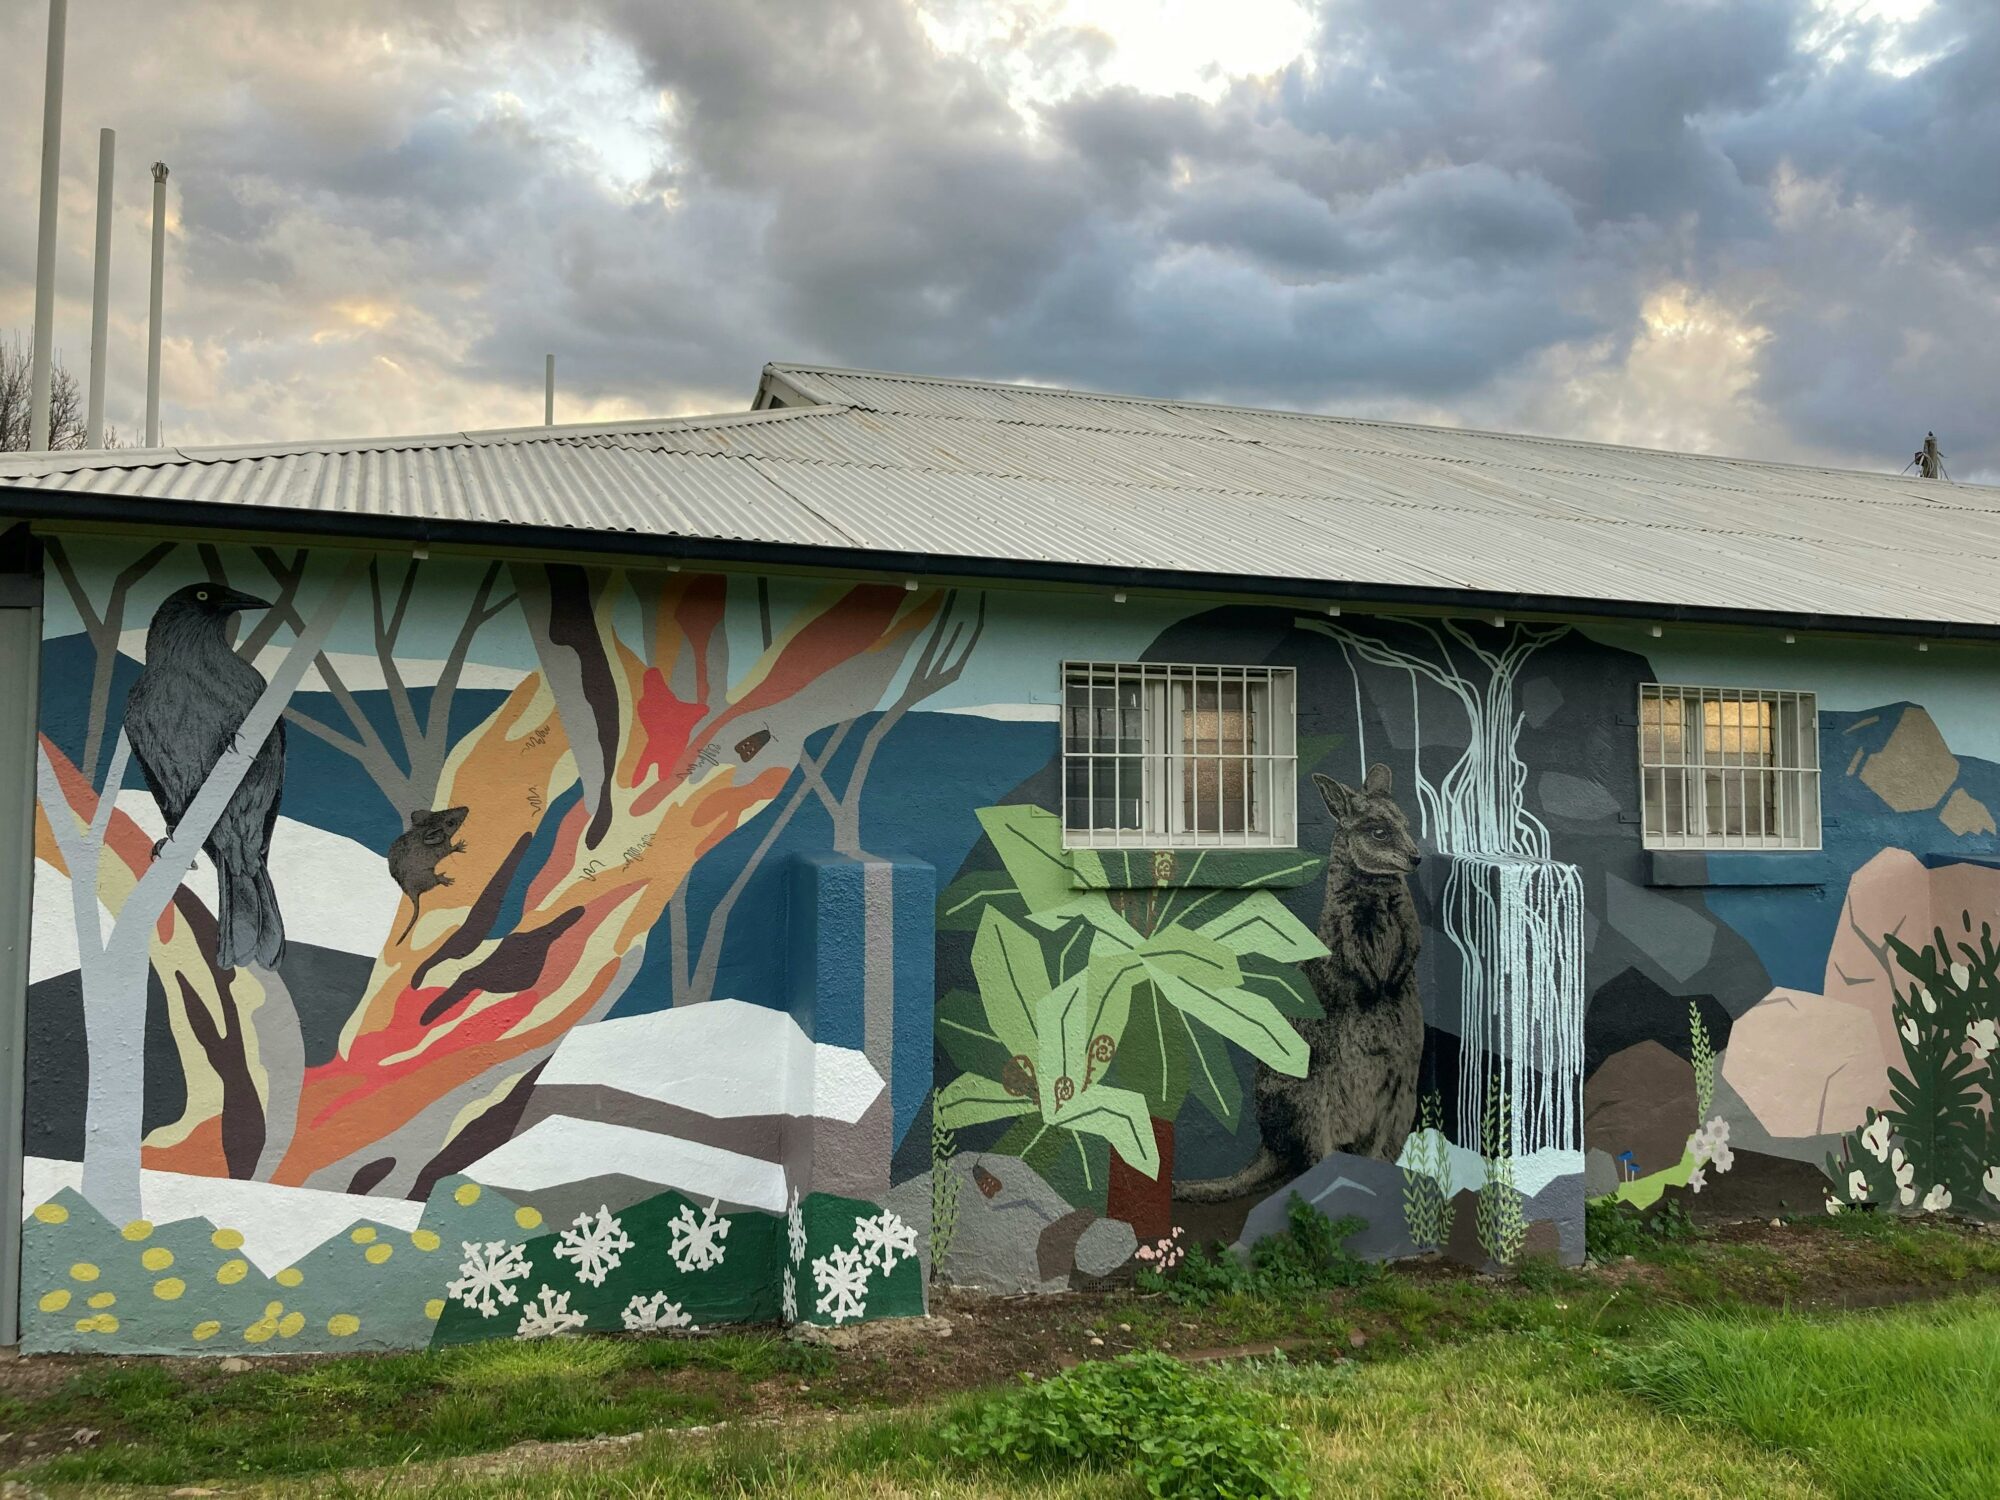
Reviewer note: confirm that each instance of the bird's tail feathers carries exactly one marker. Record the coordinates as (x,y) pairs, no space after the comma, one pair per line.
(249,927)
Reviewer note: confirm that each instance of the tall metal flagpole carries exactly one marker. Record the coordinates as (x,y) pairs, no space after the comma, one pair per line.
(153,328)
(100,290)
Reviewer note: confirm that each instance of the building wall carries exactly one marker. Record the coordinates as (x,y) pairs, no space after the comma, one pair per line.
(601,949)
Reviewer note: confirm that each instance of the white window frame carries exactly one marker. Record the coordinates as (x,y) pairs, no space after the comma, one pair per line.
(1159,698)
(1702,792)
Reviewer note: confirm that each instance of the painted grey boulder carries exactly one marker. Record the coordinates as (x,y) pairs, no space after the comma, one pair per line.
(1003,1207)
(1600,1173)
(1370,1190)
(1105,1246)
(1559,1206)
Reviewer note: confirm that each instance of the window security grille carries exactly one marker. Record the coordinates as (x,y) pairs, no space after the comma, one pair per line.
(1728,768)
(1160,754)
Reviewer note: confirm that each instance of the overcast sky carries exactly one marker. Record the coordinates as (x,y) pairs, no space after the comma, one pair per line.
(1746,226)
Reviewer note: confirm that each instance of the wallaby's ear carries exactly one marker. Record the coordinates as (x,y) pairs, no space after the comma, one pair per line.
(1339,799)
(1380,780)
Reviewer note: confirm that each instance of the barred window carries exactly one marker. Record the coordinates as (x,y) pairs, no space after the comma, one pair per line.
(1164,754)
(1729,768)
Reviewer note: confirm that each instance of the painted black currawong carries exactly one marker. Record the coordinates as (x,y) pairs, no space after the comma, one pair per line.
(182,713)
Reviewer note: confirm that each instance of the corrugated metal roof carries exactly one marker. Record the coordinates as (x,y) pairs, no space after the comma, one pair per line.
(950,469)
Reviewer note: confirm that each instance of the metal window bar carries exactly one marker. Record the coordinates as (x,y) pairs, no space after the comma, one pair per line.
(1179,755)
(1728,768)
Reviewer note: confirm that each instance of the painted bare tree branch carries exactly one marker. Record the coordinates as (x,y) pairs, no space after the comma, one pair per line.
(102,628)
(409,782)
(946,650)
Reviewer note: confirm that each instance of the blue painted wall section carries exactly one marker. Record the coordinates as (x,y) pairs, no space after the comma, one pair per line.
(862,946)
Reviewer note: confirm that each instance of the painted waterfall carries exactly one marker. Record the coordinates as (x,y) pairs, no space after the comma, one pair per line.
(1513,913)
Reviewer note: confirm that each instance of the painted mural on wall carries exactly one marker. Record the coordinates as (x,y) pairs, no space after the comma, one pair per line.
(432,950)
(403,947)
(1247,1024)
(1472,1004)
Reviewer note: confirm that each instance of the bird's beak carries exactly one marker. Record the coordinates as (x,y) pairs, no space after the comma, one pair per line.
(235,599)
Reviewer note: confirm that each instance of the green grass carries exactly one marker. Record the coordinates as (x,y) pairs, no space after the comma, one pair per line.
(1677,1375)
(161,1429)
(1882,1404)
(1749,1404)
(1496,1417)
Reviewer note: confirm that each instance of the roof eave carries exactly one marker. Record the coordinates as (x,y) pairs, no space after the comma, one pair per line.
(25,503)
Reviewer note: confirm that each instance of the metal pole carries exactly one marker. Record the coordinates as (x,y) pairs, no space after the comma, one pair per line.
(20,668)
(45,244)
(100,290)
(549,392)
(153,330)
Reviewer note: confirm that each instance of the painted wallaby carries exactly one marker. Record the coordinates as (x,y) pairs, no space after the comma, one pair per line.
(1359,1094)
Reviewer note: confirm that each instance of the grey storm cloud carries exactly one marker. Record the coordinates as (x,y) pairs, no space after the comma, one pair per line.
(1442,208)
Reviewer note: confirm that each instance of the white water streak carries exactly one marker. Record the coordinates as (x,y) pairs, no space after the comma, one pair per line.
(1514,915)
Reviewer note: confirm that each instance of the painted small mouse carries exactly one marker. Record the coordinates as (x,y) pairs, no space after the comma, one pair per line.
(413,858)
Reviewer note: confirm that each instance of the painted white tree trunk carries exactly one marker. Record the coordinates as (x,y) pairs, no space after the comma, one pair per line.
(113,967)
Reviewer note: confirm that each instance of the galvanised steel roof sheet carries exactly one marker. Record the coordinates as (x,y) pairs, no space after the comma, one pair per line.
(1005,473)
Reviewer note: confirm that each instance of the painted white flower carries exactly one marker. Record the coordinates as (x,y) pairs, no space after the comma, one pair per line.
(1928,999)
(597,1244)
(842,1278)
(1992,1181)
(1937,1200)
(1876,1138)
(1909,1030)
(1906,1176)
(487,1274)
(1984,1036)
(697,1243)
(548,1316)
(1833,1204)
(1857,1187)
(1696,1182)
(655,1314)
(884,1238)
(1961,975)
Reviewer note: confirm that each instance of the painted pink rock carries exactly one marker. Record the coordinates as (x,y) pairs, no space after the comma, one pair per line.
(1811,1064)
(1806,1065)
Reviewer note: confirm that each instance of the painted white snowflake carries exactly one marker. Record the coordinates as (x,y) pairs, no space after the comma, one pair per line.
(597,1243)
(697,1243)
(549,1315)
(487,1274)
(842,1278)
(884,1239)
(654,1314)
(791,1292)
(795,1229)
